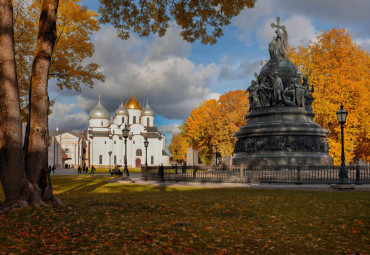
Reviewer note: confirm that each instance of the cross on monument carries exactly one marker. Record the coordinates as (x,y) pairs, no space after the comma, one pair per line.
(278,26)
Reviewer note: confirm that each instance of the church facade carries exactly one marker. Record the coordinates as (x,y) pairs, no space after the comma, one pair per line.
(106,141)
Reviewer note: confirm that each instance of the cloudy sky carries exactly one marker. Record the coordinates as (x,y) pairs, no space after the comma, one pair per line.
(175,76)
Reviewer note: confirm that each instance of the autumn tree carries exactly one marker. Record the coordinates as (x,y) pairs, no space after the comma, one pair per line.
(340,72)
(200,19)
(20,180)
(179,145)
(211,126)
(73,47)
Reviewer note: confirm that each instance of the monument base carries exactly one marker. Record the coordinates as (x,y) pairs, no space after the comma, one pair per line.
(260,160)
(281,136)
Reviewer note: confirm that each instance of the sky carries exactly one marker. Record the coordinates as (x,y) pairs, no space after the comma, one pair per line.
(176,76)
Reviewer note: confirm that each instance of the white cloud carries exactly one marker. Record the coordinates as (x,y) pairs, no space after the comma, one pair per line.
(155,71)
(172,128)
(64,118)
(237,71)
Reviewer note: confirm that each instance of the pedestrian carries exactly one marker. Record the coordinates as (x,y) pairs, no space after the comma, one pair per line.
(53,168)
(49,168)
(92,170)
(79,169)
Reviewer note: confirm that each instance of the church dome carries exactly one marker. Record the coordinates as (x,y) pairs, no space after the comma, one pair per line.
(132,103)
(99,112)
(121,110)
(147,110)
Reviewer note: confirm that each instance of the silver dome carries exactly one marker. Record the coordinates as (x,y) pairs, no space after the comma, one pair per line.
(121,110)
(99,112)
(147,110)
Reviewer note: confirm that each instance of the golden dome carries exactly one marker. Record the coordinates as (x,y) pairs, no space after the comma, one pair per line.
(132,103)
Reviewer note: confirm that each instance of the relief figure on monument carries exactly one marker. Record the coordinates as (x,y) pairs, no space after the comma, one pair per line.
(300,91)
(277,86)
(308,93)
(289,95)
(265,93)
(254,100)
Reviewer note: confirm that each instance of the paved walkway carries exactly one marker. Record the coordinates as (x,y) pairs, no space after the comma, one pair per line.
(135,179)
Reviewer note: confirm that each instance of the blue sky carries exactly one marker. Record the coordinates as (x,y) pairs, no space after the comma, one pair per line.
(176,76)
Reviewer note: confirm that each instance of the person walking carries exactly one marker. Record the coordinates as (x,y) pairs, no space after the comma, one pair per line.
(53,168)
(92,170)
(79,169)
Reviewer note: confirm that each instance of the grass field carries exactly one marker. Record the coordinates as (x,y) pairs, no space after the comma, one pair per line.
(102,218)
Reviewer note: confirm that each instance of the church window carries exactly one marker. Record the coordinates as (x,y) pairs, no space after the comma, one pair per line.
(84,150)
(114,142)
(147,122)
(66,150)
(115,159)
(113,132)
(101,123)
(152,160)
(123,119)
(101,159)
(133,142)
(139,152)
(134,120)
(105,142)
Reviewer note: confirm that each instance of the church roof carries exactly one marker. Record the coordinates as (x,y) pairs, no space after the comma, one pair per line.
(147,110)
(132,103)
(99,112)
(121,110)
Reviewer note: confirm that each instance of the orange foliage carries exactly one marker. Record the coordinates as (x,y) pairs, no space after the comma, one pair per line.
(340,71)
(210,126)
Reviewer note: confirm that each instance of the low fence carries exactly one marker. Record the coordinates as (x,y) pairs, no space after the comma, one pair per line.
(241,174)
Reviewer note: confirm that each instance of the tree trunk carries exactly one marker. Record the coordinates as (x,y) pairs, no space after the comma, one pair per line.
(37,151)
(13,178)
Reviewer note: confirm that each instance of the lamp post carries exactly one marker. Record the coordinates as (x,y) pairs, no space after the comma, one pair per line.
(146,143)
(343,172)
(125,133)
(110,154)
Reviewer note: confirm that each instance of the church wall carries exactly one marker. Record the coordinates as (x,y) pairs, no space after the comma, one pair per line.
(98,123)
(134,113)
(118,120)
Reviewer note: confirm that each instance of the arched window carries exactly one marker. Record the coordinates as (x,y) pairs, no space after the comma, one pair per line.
(66,150)
(139,152)
(147,122)
(101,159)
(152,160)
(101,123)
(123,119)
(115,159)
(134,120)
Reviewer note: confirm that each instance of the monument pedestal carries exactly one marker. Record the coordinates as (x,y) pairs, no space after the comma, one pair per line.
(281,136)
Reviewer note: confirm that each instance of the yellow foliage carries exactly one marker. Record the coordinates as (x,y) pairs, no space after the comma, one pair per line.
(75,25)
(210,127)
(340,72)
(198,19)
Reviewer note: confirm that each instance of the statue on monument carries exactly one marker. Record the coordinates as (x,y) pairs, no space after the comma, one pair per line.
(278,46)
(277,86)
(265,93)
(253,97)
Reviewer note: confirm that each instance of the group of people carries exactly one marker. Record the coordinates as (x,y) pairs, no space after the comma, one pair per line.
(52,169)
(265,94)
(85,170)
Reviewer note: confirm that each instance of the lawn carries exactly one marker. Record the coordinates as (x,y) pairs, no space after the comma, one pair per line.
(102,218)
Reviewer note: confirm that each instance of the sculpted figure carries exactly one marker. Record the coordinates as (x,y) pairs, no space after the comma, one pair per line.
(253,97)
(278,46)
(265,93)
(289,95)
(299,91)
(277,86)
(308,93)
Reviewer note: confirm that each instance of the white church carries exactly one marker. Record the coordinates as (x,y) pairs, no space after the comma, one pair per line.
(106,142)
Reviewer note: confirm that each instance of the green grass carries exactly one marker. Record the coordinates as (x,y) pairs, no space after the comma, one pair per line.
(103,218)
(106,170)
